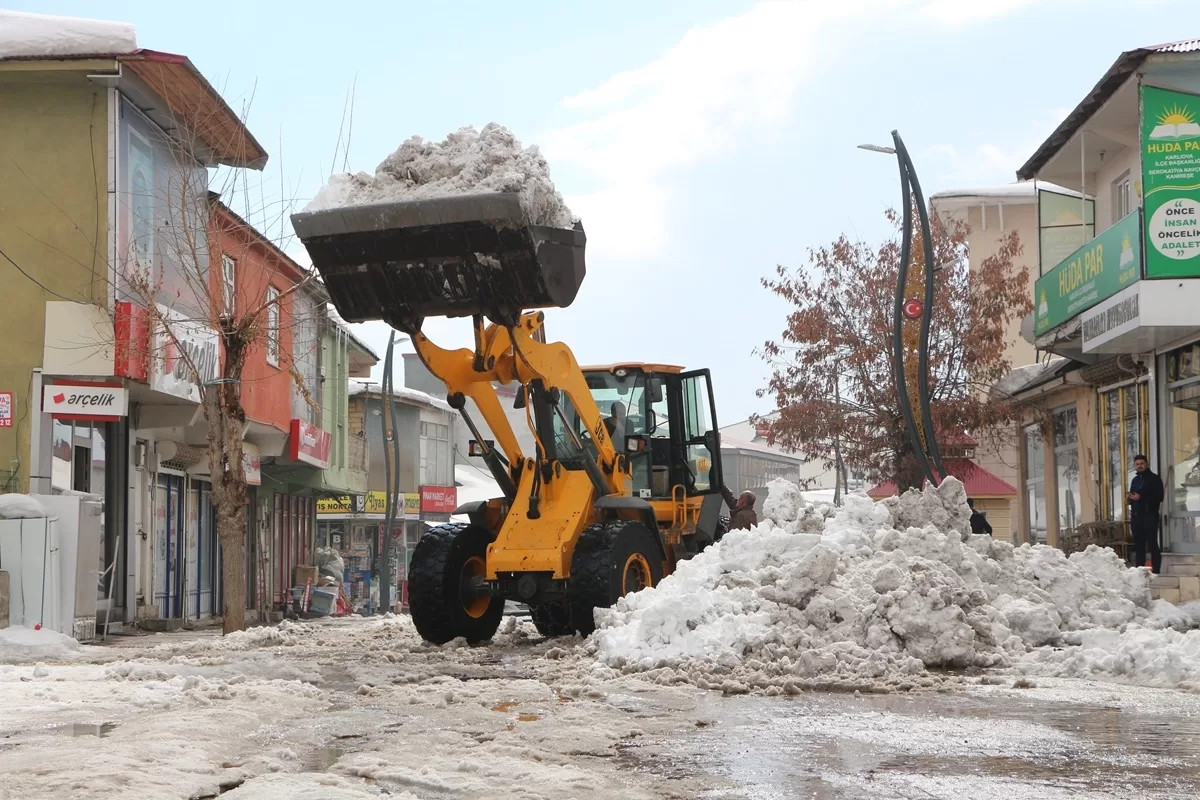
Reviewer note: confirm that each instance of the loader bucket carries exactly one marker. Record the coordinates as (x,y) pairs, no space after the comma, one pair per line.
(450,257)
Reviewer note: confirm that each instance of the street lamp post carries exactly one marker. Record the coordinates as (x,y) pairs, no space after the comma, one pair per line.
(910,191)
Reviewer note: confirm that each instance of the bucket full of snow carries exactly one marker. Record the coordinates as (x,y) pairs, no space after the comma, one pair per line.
(453,256)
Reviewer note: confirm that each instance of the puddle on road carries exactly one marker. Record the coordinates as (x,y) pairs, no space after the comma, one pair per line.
(801,747)
(98,729)
(506,706)
(321,759)
(528,717)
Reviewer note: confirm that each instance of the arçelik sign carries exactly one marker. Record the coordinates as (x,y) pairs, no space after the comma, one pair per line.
(85,402)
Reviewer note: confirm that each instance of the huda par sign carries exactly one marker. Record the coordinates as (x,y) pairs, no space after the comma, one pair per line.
(1171,182)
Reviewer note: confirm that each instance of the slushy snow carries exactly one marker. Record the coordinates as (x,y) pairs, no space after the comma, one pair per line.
(466,162)
(21,506)
(874,595)
(24,34)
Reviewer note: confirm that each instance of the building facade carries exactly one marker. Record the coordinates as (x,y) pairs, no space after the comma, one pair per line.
(105,213)
(1115,296)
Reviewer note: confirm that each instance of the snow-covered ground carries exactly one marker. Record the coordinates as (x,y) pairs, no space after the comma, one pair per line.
(985,671)
(359,708)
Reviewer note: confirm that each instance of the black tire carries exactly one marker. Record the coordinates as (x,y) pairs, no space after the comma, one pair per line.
(607,560)
(440,565)
(552,619)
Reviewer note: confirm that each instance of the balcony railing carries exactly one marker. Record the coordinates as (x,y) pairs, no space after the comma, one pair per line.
(1095,272)
(357,454)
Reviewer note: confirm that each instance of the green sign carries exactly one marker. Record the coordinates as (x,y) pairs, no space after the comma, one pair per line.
(1171,182)
(1094,272)
(1062,228)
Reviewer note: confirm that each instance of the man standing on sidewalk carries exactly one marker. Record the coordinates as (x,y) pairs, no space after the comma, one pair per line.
(1145,498)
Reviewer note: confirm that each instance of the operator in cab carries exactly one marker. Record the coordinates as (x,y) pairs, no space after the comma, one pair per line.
(743,517)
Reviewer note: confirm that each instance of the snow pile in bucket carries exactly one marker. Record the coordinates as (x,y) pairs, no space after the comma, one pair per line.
(869,595)
(466,162)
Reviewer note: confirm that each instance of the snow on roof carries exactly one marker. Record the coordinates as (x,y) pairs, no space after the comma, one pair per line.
(25,35)
(1019,192)
(731,443)
(402,394)
(1022,378)
(977,481)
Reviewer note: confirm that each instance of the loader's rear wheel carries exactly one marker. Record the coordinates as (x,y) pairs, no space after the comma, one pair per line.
(611,560)
(552,619)
(447,566)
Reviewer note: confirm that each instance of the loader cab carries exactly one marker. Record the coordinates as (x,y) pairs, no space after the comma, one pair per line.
(664,420)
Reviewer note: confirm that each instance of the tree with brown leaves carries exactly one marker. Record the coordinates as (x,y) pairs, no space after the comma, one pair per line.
(832,373)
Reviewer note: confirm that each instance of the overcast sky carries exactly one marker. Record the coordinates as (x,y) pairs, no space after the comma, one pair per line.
(701,141)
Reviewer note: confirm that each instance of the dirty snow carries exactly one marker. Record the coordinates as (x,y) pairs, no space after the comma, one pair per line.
(466,162)
(21,506)
(25,34)
(19,645)
(876,595)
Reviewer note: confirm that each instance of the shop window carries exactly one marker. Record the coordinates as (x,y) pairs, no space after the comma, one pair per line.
(1035,483)
(1066,462)
(1124,426)
(228,285)
(1180,463)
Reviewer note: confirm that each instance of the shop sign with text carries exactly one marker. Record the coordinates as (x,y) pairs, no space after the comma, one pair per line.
(310,444)
(184,349)
(1094,272)
(1171,182)
(439,499)
(85,402)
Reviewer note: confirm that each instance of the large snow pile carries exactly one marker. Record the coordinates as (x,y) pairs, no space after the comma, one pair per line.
(20,645)
(466,162)
(869,595)
(21,506)
(24,34)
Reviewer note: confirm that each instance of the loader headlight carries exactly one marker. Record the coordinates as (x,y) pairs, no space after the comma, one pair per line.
(634,444)
(477,449)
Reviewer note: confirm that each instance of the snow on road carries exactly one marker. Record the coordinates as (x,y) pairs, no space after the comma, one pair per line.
(360,708)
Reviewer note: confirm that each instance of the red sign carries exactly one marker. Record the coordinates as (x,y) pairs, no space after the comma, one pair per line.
(310,444)
(912,308)
(439,499)
(131,325)
(6,409)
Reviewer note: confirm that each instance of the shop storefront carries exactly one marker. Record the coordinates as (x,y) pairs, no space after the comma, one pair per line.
(353,526)
(1180,454)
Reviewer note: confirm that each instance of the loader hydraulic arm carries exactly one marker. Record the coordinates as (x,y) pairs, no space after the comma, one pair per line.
(549,369)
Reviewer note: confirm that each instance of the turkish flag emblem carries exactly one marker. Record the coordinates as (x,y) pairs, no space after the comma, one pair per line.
(59,398)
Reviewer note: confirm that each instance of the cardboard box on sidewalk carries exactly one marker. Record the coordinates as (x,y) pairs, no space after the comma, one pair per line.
(303,573)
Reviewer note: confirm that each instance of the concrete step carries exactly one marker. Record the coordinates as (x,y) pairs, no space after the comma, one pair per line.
(1190,570)
(1164,582)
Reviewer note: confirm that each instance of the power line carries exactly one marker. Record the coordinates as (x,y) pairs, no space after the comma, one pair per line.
(45,288)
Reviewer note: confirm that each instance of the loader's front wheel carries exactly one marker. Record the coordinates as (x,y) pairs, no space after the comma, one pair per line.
(611,560)
(447,567)
(552,619)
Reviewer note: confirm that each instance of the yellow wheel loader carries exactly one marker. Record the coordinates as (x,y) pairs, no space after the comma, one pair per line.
(625,478)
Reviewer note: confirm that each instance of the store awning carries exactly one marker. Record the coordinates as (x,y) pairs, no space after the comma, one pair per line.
(1143,317)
